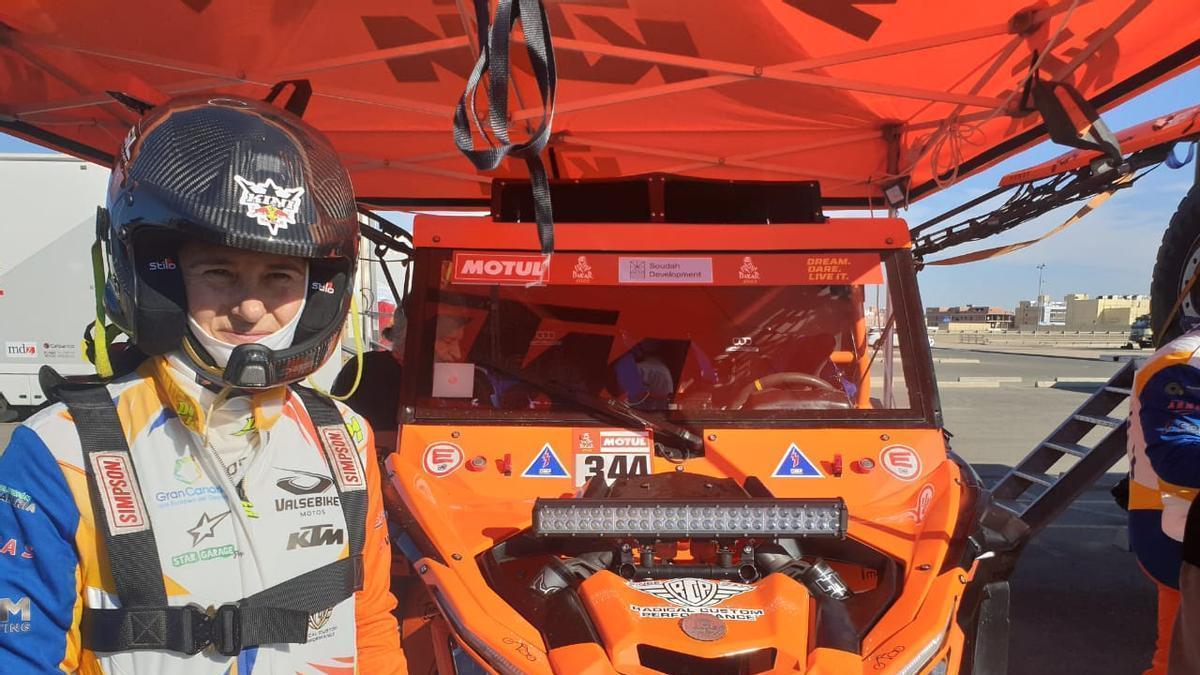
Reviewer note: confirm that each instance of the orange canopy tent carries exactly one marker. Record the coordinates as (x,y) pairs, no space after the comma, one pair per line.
(858,94)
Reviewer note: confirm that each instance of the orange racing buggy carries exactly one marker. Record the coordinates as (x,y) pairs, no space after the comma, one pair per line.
(670,448)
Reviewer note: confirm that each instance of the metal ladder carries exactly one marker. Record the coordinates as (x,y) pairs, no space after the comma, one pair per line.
(1052,495)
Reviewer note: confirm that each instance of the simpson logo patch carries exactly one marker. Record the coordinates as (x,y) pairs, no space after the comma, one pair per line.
(274,207)
(343,456)
(123,506)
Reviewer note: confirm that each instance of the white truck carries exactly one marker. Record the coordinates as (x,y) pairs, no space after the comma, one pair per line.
(47,298)
(47,225)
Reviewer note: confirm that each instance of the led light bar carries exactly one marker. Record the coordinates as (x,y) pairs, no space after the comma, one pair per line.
(646,518)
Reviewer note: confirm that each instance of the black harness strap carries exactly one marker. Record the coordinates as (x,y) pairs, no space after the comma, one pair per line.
(117,506)
(279,614)
(349,474)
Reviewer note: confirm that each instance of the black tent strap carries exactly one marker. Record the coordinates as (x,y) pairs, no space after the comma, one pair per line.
(494,61)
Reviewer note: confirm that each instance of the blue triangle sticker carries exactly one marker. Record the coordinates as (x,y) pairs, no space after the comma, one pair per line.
(795,465)
(546,464)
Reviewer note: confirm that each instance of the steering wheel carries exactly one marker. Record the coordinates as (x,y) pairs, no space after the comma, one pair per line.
(778,381)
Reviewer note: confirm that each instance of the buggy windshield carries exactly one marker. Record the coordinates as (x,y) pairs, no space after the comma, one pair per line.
(682,337)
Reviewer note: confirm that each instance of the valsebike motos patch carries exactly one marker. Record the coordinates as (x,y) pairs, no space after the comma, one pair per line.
(693,596)
(273,206)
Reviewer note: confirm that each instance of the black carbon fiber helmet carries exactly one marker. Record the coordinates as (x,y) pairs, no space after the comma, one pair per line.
(238,173)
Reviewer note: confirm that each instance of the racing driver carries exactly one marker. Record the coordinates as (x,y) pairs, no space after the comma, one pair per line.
(1164,453)
(203,512)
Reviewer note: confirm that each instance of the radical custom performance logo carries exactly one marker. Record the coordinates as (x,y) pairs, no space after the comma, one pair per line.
(693,596)
(273,206)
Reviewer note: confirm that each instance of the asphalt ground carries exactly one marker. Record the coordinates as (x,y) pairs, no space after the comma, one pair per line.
(1080,605)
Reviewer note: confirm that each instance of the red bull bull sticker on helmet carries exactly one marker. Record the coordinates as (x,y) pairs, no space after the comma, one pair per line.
(274,207)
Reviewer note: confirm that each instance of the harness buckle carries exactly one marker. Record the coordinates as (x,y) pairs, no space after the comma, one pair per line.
(226,632)
(216,627)
(196,629)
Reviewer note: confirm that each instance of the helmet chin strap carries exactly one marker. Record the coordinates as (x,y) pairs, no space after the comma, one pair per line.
(220,351)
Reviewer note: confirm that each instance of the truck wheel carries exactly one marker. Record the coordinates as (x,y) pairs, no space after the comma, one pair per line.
(1178,258)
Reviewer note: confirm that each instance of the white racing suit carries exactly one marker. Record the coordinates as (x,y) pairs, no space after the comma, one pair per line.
(213,546)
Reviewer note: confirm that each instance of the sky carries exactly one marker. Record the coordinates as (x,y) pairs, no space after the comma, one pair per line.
(1111,251)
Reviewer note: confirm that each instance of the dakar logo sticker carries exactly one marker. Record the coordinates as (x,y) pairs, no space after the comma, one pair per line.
(748,271)
(582,271)
(273,206)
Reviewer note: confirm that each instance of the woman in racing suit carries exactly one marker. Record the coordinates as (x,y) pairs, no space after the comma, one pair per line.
(203,513)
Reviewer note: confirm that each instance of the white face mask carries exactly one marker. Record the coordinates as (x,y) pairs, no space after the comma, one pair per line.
(220,350)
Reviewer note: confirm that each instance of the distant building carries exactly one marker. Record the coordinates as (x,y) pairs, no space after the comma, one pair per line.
(1040,313)
(1105,312)
(1080,312)
(980,316)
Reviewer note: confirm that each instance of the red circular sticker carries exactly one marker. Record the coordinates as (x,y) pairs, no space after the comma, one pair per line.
(901,461)
(442,458)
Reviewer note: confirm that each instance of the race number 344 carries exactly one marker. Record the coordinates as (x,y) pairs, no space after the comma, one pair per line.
(610,466)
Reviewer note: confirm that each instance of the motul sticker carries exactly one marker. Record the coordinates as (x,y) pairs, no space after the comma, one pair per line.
(343,456)
(442,458)
(612,440)
(796,465)
(502,269)
(123,506)
(274,207)
(546,464)
(901,461)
